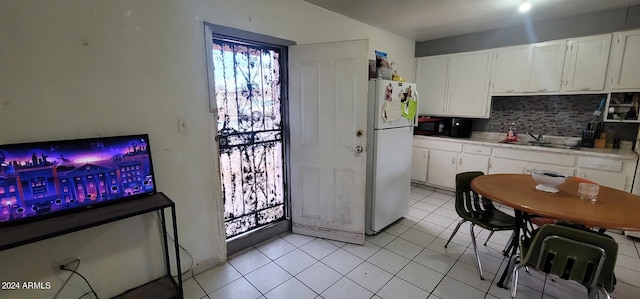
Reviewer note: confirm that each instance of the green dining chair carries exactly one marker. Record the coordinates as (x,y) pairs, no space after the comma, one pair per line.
(570,253)
(479,211)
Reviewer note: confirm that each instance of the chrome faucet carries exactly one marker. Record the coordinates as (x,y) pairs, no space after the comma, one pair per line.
(538,139)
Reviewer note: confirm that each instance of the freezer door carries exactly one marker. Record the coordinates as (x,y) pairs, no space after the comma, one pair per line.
(391,176)
(386,101)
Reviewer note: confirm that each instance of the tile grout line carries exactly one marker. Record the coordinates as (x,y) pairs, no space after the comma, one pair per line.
(440,203)
(458,259)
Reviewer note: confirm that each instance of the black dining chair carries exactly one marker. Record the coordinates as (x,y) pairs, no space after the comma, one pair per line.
(570,253)
(478,210)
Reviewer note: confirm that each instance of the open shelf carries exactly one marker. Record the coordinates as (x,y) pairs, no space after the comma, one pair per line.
(623,107)
(25,233)
(164,287)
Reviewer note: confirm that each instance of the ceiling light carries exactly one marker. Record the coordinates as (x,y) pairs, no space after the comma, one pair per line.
(524,6)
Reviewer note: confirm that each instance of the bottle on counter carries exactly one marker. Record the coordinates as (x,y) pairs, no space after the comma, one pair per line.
(512,133)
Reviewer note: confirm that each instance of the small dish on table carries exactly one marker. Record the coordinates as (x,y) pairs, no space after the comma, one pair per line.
(548,180)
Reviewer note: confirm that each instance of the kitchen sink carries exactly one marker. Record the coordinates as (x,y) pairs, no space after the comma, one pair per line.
(535,143)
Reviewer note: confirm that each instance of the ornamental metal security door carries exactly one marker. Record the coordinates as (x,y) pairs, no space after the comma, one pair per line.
(248,89)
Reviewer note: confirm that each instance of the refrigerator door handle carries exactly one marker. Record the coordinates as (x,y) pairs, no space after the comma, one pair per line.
(417,98)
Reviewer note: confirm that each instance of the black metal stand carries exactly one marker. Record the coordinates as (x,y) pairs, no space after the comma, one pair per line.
(521,229)
(164,287)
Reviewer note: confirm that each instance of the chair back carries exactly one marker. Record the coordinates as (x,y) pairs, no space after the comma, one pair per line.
(575,254)
(468,202)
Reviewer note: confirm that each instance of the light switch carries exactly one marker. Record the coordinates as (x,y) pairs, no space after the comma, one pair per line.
(184,125)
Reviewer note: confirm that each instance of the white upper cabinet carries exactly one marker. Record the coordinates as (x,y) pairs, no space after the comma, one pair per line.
(534,68)
(586,63)
(625,65)
(469,75)
(455,85)
(546,66)
(512,68)
(431,78)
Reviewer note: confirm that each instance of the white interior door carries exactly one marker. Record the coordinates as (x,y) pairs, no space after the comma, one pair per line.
(328,101)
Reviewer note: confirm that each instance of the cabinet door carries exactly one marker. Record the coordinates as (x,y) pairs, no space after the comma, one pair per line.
(586,63)
(469,84)
(431,82)
(468,162)
(547,60)
(512,68)
(626,61)
(562,169)
(499,165)
(441,168)
(605,178)
(419,160)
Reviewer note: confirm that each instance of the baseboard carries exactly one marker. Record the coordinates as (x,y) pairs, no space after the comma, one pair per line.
(202,266)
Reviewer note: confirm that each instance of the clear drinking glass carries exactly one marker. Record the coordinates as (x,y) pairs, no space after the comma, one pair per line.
(588,191)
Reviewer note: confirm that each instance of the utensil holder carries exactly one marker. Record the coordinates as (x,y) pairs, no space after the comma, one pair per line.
(588,139)
(599,143)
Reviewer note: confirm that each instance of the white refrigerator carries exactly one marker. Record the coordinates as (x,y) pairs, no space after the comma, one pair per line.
(389,144)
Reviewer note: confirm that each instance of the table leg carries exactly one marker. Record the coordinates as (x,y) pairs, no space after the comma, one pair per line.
(512,250)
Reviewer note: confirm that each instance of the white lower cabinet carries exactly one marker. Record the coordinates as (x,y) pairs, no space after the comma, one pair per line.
(501,165)
(419,162)
(436,163)
(446,159)
(605,178)
(442,168)
(613,173)
(467,162)
(444,165)
(510,160)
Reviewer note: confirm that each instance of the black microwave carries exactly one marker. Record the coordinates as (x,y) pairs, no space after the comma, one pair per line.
(447,126)
(430,126)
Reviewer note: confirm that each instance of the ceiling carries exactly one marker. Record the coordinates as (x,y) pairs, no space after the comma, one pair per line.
(422,20)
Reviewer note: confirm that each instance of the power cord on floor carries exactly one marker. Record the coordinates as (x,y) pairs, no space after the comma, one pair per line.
(85,294)
(179,246)
(64,268)
(77,261)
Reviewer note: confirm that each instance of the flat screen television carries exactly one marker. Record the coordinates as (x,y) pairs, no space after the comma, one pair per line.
(44,179)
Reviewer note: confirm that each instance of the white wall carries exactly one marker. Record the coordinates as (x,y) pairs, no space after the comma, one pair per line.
(85,68)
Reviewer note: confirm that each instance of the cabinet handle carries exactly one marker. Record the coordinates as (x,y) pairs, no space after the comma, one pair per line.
(509,90)
(585,88)
(460,162)
(477,151)
(453,160)
(544,89)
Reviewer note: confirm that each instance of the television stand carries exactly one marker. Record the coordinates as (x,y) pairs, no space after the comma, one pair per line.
(164,287)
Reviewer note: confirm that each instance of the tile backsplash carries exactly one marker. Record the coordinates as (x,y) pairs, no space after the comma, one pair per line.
(557,115)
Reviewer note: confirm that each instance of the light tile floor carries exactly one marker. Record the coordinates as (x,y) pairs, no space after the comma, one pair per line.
(406,260)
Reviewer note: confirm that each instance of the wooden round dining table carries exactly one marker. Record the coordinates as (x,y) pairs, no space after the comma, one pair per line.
(613,208)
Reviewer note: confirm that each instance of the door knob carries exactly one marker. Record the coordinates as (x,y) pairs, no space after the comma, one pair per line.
(359,149)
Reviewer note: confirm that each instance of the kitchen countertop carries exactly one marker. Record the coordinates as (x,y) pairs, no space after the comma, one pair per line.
(489,139)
